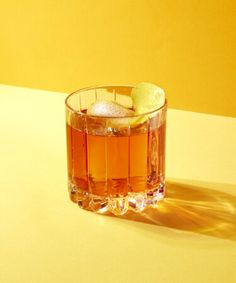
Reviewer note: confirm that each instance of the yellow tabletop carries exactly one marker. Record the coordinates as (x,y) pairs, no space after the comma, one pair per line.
(44,237)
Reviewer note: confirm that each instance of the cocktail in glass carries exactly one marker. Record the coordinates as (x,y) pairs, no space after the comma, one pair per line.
(114,163)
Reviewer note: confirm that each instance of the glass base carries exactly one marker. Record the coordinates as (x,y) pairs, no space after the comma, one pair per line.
(117,205)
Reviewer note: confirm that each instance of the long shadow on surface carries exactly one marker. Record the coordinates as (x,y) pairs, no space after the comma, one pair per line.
(191,208)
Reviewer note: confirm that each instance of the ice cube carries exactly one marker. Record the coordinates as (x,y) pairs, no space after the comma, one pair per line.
(111,126)
(108,109)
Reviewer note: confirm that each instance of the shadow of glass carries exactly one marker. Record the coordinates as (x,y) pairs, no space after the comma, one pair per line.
(191,208)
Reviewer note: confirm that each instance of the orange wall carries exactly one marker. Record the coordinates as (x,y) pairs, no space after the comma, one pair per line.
(188,47)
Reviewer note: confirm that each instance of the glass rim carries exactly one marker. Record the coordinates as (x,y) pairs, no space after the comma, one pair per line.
(164,106)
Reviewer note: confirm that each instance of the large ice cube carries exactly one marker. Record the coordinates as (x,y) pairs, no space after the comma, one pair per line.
(116,120)
(108,109)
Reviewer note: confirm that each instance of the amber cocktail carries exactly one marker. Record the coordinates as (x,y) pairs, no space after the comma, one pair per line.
(114,163)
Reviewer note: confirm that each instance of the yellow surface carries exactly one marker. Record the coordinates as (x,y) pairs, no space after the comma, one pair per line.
(44,237)
(187,47)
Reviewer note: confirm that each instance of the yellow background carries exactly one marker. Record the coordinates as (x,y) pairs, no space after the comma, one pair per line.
(187,47)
